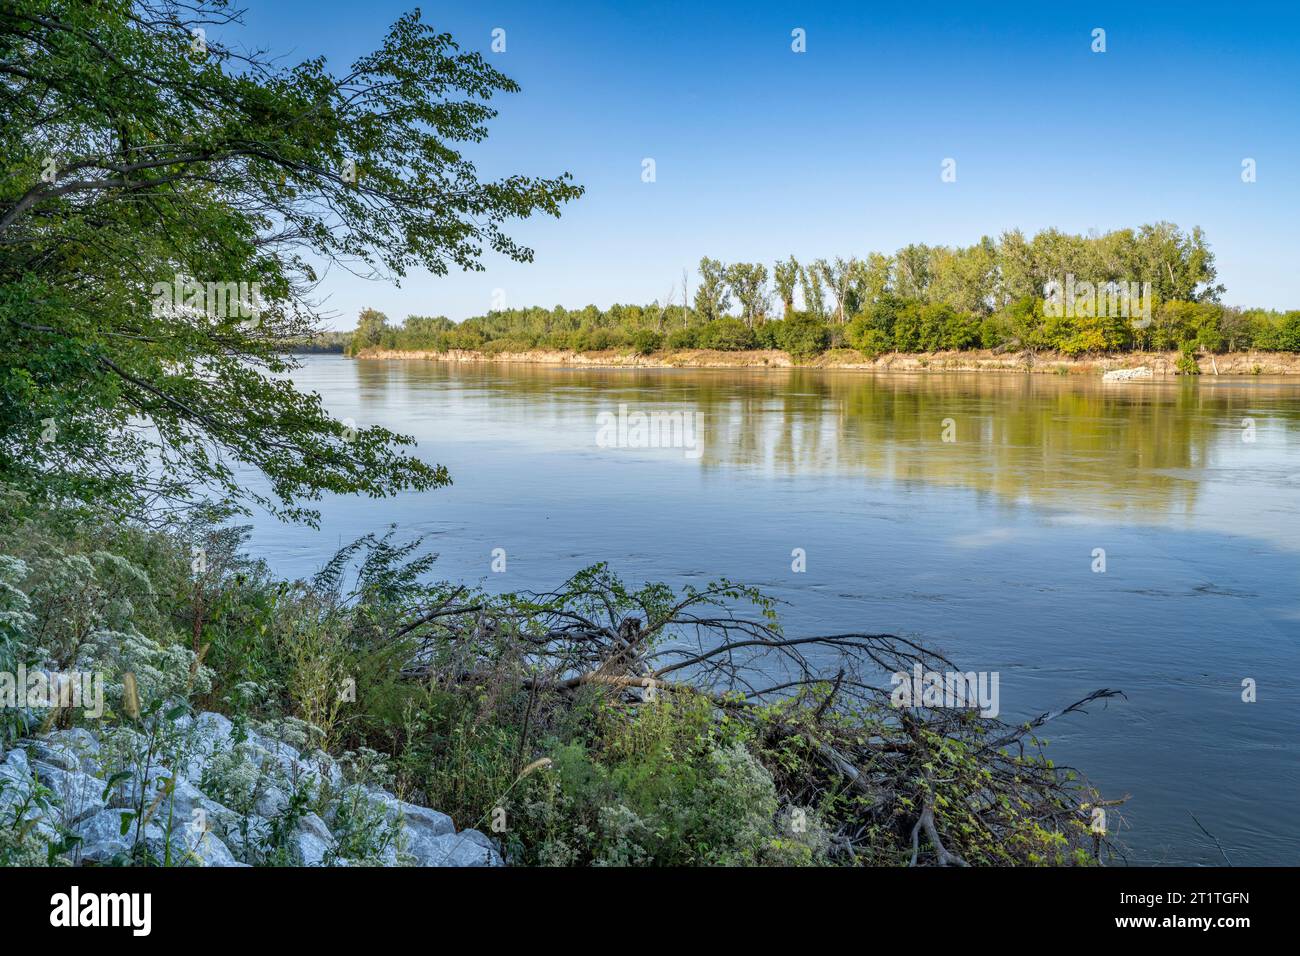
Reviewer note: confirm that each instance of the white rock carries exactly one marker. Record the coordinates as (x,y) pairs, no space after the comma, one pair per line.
(467,848)
(79,794)
(414,816)
(206,734)
(271,802)
(1127,374)
(295,772)
(75,749)
(16,782)
(213,727)
(324,763)
(102,839)
(188,849)
(309,850)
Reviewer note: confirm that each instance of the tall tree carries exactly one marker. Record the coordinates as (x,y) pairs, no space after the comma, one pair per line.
(371,326)
(912,271)
(876,278)
(785,276)
(1017,277)
(163,201)
(1179,266)
(748,280)
(712,298)
(814,293)
(839,277)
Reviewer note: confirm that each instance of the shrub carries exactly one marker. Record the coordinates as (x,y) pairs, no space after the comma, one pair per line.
(803,337)
(512,344)
(867,337)
(1288,333)
(664,787)
(684,339)
(727,335)
(934,328)
(1186,364)
(597,339)
(765,335)
(1175,324)
(1083,334)
(646,341)
(995,332)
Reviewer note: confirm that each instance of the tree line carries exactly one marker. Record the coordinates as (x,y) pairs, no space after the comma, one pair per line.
(1151,288)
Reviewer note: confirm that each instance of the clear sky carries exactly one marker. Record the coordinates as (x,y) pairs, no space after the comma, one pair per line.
(761,152)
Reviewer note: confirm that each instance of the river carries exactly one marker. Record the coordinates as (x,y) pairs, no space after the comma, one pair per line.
(987,545)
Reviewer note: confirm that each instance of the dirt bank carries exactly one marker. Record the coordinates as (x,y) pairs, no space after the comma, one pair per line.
(1160,363)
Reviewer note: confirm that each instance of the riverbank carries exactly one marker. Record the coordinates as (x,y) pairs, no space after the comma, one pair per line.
(211,713)
(1161,364)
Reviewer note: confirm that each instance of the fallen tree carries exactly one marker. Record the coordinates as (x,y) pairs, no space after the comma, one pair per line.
(916,785)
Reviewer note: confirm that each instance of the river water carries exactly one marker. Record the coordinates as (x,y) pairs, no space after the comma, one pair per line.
(985,546)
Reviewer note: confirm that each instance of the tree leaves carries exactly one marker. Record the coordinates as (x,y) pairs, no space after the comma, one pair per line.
(137,159)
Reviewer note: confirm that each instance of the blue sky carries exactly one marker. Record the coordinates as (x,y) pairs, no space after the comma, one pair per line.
(761,152)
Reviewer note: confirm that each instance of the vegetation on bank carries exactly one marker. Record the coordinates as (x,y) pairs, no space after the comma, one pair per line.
(336,342)
(993,295)
(596,725)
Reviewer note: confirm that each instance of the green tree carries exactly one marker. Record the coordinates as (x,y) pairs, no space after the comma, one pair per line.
(912,271)
(785,276)
(1289,332)
(712,298)
(840,276)
(748,280)
(814,292)
(165,201)
(371,326)
(874,280)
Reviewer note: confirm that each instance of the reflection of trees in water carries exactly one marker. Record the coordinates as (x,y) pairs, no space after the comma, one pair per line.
(1058,442)
(1062,442)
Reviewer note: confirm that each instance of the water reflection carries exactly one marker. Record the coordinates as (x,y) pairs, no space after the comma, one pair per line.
(1145,452)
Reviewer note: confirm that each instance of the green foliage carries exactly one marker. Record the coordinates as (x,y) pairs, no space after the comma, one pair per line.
(802,336)
(372,325)
(727,335)
(665,785)
(596,340)
(870,341)
(1288,332)
(646,341)
(712,296)
(748,281)
(785,276)
(920,299)
(688,338)
(29,835)
(161,209)
(933,328)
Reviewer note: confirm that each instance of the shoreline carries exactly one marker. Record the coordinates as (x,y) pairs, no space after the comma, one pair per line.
(1161,364)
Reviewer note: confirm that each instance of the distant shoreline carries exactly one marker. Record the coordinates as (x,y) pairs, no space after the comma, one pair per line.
(1161,364)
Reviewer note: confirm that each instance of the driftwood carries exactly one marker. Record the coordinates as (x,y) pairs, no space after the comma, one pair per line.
(593,636)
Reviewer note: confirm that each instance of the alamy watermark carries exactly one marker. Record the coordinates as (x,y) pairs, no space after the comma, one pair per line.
(214,300)
(53,690)
(954,689)
(1086,299)
(653,429)
(75,908)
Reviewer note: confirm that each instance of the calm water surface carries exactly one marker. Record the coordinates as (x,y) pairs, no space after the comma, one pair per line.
(983,546)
